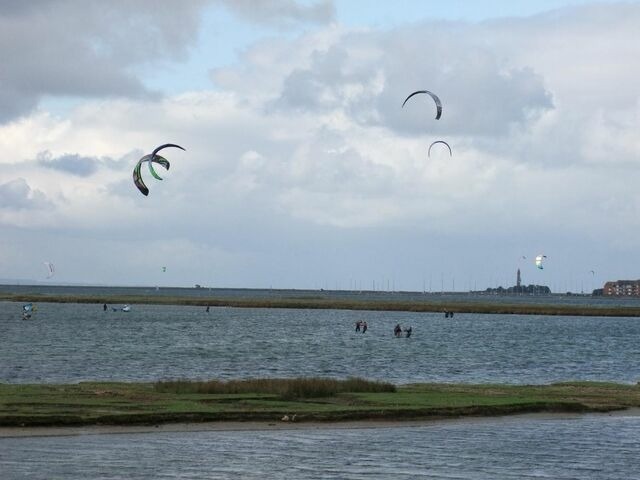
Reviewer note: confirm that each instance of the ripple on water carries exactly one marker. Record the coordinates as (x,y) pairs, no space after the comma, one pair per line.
(591,446)
(73,342)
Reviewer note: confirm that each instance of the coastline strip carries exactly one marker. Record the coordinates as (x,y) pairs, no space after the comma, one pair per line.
(425,306)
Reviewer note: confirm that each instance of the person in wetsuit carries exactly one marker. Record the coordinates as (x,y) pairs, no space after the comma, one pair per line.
(397,330)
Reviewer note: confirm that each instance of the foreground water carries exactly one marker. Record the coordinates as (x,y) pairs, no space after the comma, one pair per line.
(74,342)
(586,447)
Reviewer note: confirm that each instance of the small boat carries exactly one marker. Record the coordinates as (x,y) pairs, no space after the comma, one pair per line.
(126,308)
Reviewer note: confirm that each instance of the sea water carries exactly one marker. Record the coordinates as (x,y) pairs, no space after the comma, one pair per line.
(602,447)
(75,342)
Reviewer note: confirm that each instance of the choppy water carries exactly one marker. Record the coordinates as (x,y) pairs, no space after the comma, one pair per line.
(587,447)
(73,342)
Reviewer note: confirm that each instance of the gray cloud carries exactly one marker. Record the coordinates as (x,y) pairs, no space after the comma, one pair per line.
(81,165)
(64,47)
(17,194)
(282,13)
(102,49)
(468,78)
(70,163)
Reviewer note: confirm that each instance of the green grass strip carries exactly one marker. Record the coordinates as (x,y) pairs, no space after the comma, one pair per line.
(310,399)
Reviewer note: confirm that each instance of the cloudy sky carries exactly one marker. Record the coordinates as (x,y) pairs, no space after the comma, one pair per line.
(301,168)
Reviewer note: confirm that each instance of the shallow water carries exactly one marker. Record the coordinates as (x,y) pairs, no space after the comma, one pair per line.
(74,342)
(586,447)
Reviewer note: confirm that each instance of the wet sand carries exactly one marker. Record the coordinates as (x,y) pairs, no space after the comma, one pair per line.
(16,432)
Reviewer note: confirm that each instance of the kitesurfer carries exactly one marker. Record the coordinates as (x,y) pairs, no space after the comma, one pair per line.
(397,330)
(104,307)
(358,323)
(364,327)
(26,311)
(408,331)
(207,308)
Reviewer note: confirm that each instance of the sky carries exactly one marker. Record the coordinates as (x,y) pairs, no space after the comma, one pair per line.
(302,169)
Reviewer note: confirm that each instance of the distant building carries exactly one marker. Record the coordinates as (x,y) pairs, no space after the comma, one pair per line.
(622,288)
(519,288)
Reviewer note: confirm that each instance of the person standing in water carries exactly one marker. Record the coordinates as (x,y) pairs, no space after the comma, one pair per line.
(358,323)
(104,307)
(397,331)
(364,327)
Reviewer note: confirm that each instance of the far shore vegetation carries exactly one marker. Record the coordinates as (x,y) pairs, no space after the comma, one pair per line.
(297,399)
(312,302)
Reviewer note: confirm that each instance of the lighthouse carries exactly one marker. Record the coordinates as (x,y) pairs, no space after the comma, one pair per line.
(518,280)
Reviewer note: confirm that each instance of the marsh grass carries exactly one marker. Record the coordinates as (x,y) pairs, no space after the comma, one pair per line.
(286,388)
(122,403)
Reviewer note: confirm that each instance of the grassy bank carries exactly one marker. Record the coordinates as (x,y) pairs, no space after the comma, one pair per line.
(92,403)
(340,304)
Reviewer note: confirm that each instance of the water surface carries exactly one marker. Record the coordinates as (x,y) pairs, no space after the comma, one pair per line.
(585,447)
(74,342)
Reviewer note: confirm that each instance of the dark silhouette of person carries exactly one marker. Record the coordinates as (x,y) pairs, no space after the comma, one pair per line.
(397,330)
(104,307)
(408,332)
(358,323)
(364,327)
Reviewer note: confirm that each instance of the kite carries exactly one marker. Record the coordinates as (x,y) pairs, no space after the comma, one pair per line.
(539,261)
(435,99)
(439,141)
(151,159)
(50,269)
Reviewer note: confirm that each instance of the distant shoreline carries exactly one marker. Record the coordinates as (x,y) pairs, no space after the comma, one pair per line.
(427,305)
